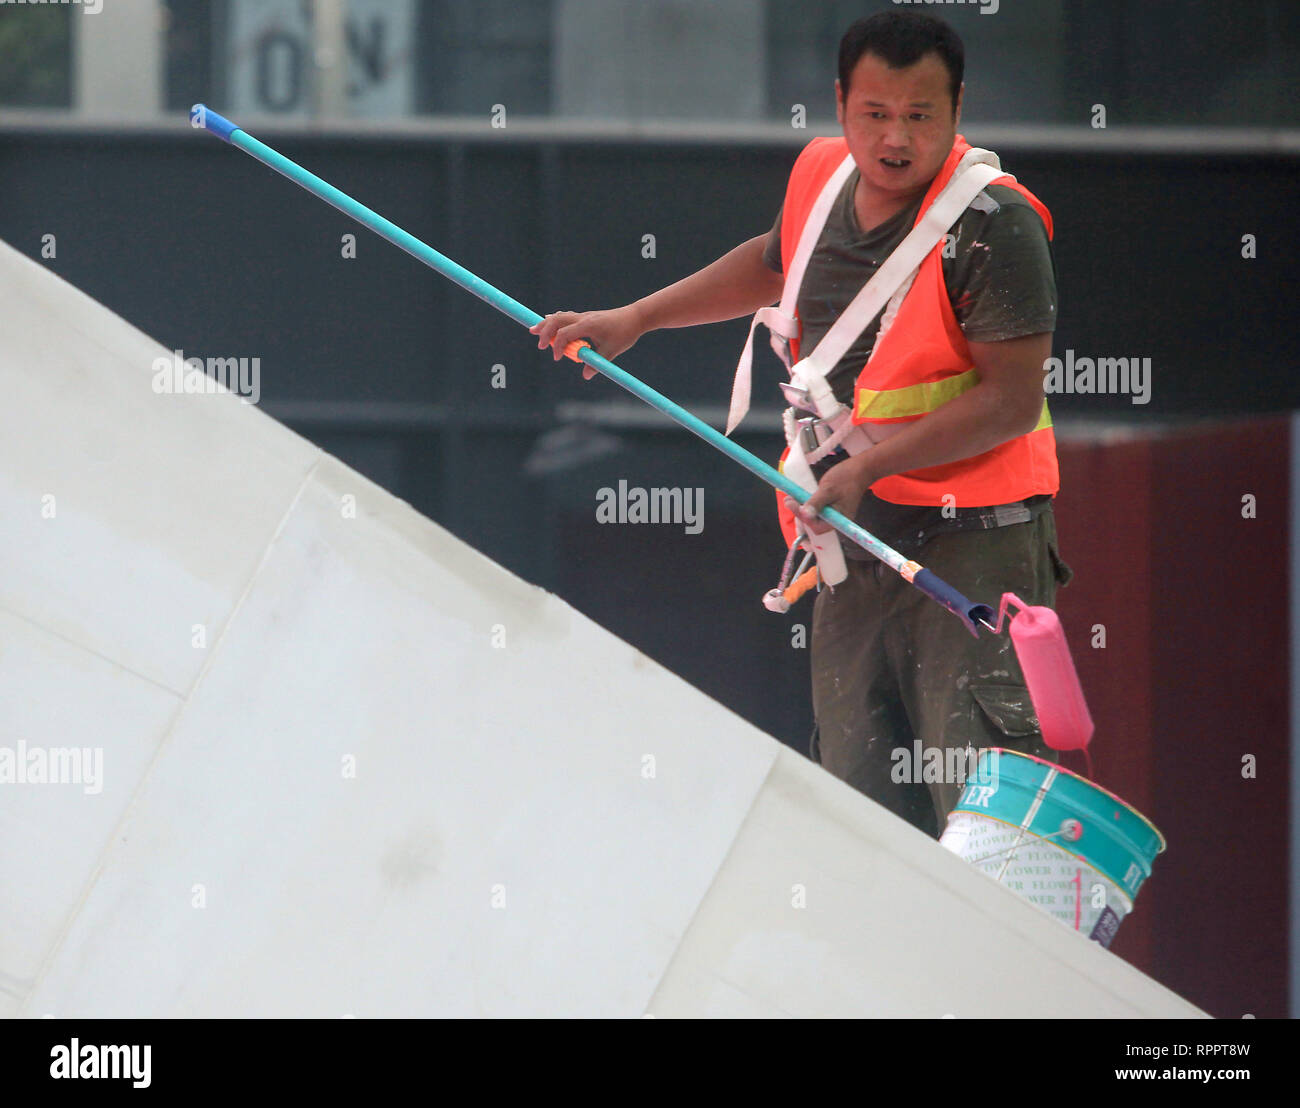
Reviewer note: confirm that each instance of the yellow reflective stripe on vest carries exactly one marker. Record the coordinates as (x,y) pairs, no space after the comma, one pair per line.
(919,400)
(913,400)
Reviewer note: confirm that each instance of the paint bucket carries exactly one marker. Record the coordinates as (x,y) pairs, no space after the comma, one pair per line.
(1064,844)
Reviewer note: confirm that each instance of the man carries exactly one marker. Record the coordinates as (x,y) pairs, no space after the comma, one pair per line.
(958,469)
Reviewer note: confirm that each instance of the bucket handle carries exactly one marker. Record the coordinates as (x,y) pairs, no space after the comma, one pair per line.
(1071,830)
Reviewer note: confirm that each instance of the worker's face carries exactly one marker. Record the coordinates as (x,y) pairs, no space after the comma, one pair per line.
(899,123)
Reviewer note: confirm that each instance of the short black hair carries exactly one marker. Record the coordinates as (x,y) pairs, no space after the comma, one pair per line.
(901,39)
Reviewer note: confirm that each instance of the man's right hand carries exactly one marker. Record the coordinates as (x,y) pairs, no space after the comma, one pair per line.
(609,332)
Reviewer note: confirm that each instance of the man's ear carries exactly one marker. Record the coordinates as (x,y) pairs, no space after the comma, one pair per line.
(956,117)
(839,102)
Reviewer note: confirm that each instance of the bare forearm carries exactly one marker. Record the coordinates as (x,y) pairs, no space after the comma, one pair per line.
(737,284)
(970,424)
(1006,403)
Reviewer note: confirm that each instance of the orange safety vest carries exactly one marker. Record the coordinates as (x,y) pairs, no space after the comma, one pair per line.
(923,361)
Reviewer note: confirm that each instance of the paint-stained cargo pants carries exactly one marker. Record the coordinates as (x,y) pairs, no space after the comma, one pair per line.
(892,668)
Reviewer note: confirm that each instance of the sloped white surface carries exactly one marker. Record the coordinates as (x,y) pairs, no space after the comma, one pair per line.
(393,779)
(57,695)
(831,907)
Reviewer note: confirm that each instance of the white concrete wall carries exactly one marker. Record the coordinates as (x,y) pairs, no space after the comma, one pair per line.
(499,849)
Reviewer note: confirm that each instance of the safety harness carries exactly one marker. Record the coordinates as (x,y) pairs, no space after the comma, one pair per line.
(826,425)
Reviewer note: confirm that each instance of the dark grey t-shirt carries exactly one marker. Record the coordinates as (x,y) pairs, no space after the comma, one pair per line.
(1001,280)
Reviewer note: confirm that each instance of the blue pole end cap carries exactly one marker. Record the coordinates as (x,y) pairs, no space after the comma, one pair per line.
(203,116)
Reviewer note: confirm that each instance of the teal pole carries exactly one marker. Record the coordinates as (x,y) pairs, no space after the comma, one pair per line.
(204,117)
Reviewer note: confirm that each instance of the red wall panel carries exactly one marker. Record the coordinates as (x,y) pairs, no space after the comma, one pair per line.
(1193,676)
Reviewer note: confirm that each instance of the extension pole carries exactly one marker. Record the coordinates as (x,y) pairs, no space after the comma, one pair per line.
(923,579)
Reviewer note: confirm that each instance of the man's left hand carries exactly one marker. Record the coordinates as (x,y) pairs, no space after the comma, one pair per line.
(841,487)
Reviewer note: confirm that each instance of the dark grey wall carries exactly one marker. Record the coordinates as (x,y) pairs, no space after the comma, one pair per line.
(201,247)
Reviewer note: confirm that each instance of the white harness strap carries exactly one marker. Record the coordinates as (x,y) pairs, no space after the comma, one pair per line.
(840,431)
(783,328)
(787,325)
(825,546)
(812,231)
